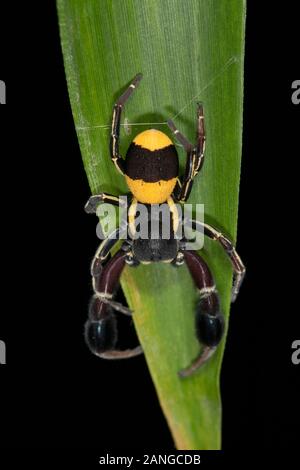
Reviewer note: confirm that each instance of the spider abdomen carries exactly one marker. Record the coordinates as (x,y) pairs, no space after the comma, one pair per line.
(151,167)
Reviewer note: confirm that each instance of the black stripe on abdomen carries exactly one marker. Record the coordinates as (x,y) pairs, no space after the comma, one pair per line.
(151,165)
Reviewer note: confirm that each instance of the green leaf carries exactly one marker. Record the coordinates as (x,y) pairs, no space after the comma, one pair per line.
(187,50)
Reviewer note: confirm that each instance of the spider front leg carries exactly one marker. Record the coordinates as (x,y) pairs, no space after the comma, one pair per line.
(94,202)
(209,320)
(116,121)
(101,326)
(195,156)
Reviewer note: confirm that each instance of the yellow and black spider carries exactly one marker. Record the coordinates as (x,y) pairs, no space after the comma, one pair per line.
(151,171)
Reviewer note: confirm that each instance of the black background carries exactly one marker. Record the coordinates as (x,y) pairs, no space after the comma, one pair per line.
(53,392)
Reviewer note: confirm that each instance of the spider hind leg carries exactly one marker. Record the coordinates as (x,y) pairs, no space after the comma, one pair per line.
(101,327)
(209,321)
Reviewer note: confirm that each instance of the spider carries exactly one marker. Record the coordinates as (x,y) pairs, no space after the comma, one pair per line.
(151,171)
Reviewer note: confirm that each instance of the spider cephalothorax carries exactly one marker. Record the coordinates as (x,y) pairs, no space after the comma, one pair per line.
(151,171)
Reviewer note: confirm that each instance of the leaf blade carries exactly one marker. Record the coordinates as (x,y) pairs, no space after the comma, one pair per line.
(186,54)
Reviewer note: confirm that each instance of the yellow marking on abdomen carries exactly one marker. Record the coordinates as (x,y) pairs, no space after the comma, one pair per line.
(151,193)
(152,139)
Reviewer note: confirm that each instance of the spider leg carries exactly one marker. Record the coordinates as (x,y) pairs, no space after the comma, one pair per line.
(101,326)
(195,156)
(209,320)
(116,121)
(103,251)
(227,245)
(94,201)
